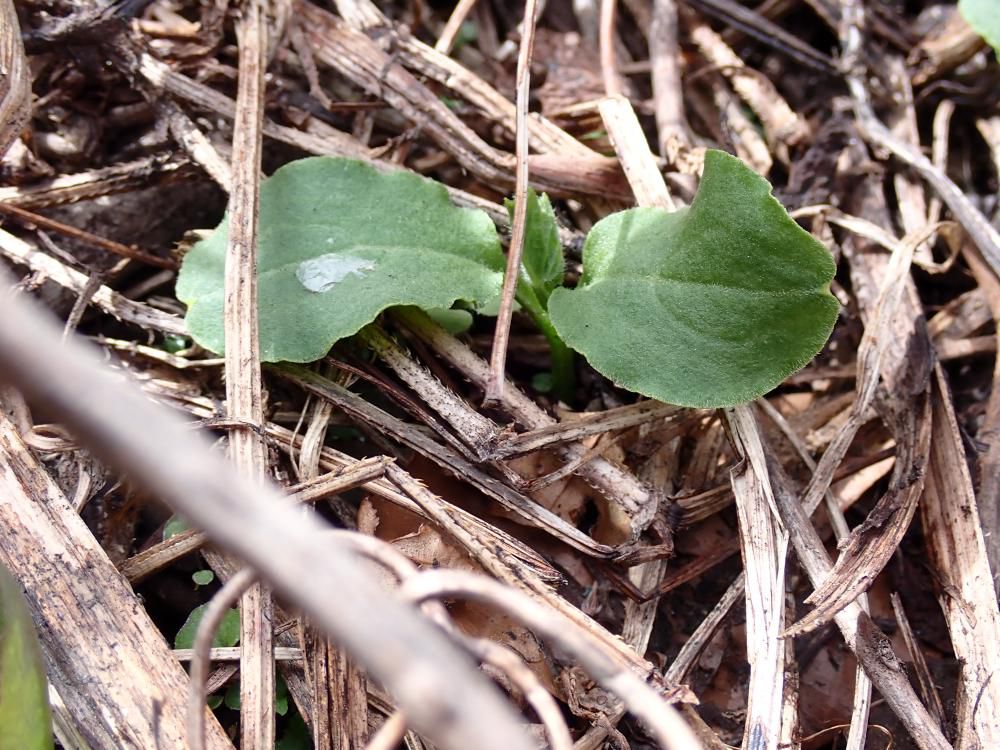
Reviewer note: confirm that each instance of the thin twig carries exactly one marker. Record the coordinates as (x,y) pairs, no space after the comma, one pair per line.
(390,734)
(244,389)
(660,717)
(430,680)
(454,25)
(498,357)
(212,616)
(609,66)
(126,251)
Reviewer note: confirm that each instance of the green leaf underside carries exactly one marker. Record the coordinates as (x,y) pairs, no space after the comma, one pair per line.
(25,723)
(709,306)
(542,262)
(984,18)
(226,635)
(387,239)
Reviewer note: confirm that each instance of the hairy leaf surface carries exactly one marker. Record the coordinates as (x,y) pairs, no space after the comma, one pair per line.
(708,306)
(339,243)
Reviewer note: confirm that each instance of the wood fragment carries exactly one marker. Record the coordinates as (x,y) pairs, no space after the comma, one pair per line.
(953,536)
(15,78)
(104,656)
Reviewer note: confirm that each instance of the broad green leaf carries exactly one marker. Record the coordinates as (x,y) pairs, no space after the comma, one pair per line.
(542,262)
(452,320)
(202,577)
(233,700)
(175,525)
(280,696)
(25,722)
(339,243)
(296,736)
(709,306)
(226,635)
(984,18)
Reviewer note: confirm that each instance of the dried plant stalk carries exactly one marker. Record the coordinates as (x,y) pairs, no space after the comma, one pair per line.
(764,545)
(105,657)
(244,389)
(15,78)
(427,675)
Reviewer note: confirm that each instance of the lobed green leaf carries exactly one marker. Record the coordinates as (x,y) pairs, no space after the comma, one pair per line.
(708,306)
(339,243)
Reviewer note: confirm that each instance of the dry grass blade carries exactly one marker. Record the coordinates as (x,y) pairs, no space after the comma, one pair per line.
(988,495)
(588,425)
(96,183)
(860,633)
(162,554)
(783,128)
(664,55)
(545,137)
(983,233)
(764,545)
(871,545)
(510,571)
(954,540)
(636,500)
(115,304)
(928,690)
(430,682)
(27,217)
(444,456)
(633,152)
(858,732)
(451,29)
(244,388)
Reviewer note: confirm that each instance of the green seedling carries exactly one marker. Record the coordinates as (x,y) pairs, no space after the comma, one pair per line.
(712,305)
(226,635)
(542,270)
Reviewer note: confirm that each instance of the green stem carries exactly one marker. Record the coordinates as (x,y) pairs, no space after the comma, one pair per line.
(563,370)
